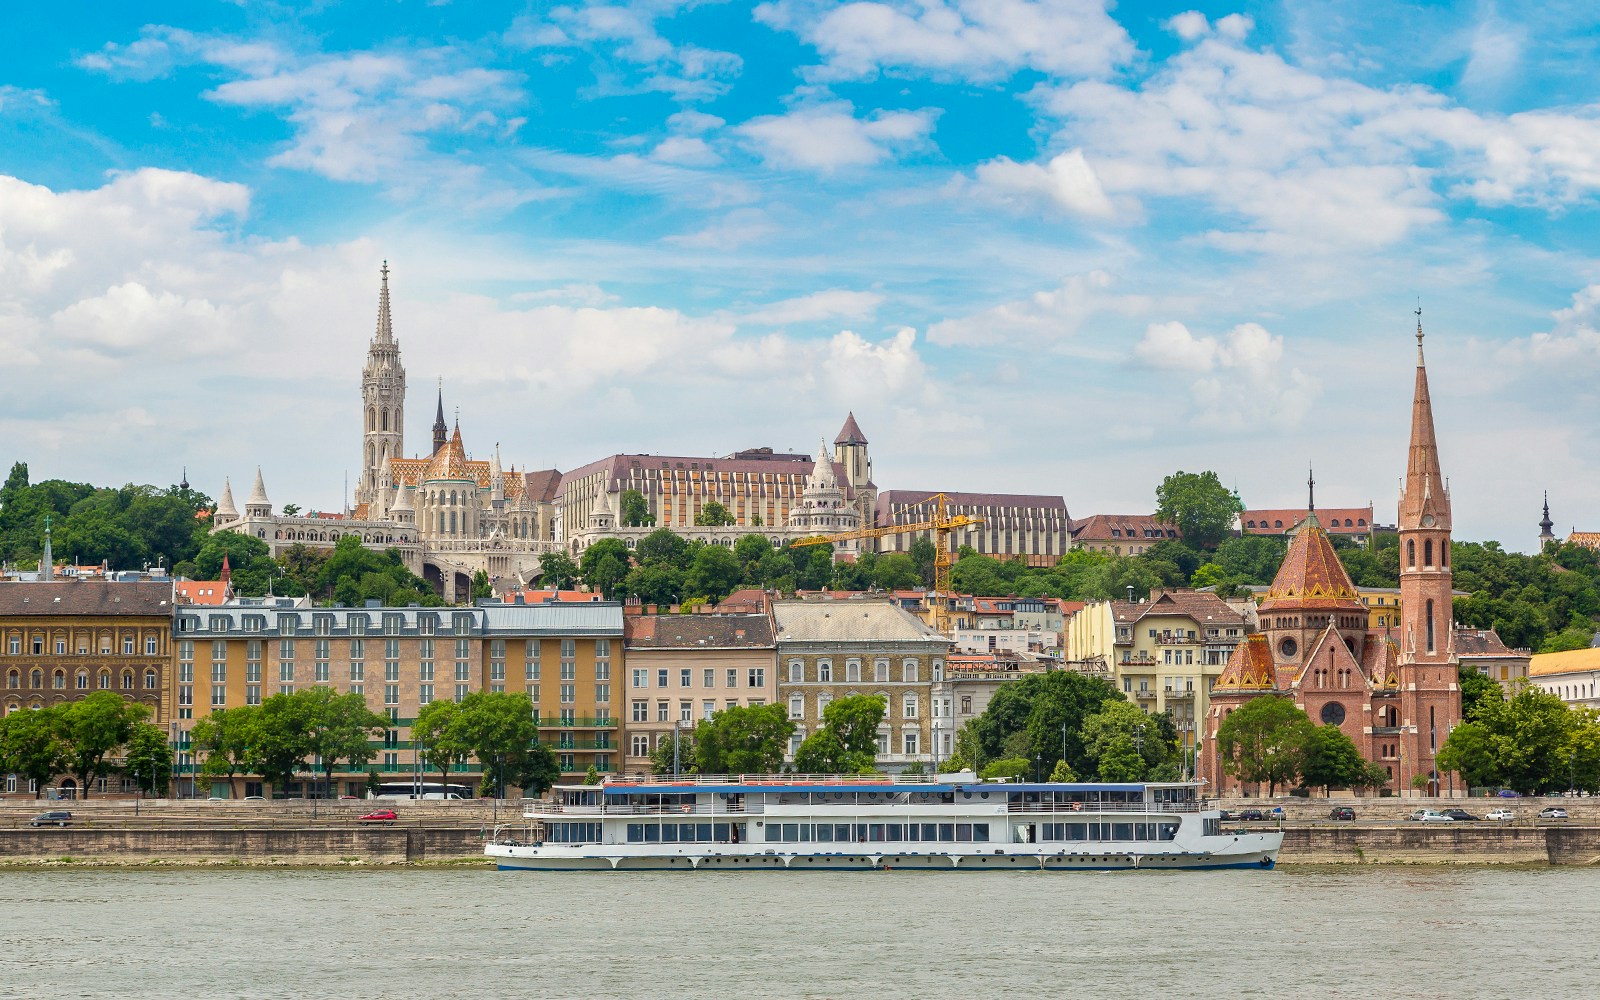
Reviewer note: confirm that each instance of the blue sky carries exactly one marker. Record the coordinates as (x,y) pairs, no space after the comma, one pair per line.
(1035,245)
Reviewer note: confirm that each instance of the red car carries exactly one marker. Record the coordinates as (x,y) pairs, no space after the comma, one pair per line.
(384,816)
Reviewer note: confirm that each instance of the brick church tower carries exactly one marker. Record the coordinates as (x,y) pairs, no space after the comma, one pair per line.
(1430,696)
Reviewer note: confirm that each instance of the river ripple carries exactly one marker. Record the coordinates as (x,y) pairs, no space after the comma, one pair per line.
(1295,932)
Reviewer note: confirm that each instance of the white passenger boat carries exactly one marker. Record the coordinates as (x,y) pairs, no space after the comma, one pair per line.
(820,822)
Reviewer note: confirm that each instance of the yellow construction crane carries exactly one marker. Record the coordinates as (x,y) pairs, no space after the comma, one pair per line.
(942,523)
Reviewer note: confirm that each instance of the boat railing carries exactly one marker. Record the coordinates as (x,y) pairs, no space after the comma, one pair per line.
(779,780)
(630,809)
(1147,808)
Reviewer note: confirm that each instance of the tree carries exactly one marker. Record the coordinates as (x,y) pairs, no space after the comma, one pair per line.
(1264,740)
(280,740)
(635,510)
(91,729)
(436,743)
(1062,772)
(713,575)
(654,583)
(342,727)
(30,741)
(665,547)
(1010,768)
(1476,690)
(1127,744)
(749,739)
(557,571)
(1202,509)
(481,589)
(847,743)
(291,509)
(675,753)
(1526,743)
(895,571)
(750,550)
(591,776)
(1039,715)
(498,729)
(354,573)
(713,515)
(1252,559)
(535,770)
(924,556)
(604,565)
(221,742)
(1331,761)
(148,758)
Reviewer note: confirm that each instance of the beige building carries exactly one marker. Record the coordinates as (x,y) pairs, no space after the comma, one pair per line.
(975,678)
(1120,534)
(61,640)
(1483,650)
(684,668)
(1164,653)
(1036,528)
(565,656)
(835,649)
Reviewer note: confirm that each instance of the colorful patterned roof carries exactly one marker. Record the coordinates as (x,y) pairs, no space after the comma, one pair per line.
(1250,667)
(1312,577)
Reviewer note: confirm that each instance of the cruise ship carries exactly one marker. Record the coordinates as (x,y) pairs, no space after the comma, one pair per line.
(949,822)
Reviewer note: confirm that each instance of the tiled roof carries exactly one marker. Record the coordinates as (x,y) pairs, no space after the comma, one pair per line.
(1558,663)
(865,621)
(542,486)
(891,500)
(1381,663)
(850,433)
(85,597)
(749,600)
(1099,527)
(553,596)
(1274,521)
(1480,642)
(1312,577)
(1205,607)
(1250,667)
(793,467)
(699,632)
(200,591)
(1588,539)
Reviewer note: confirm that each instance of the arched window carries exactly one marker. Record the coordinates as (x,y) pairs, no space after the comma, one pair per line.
(1427,552)
(127,680)
(83,680)
(1444,554)
(38,679)
(386,418)
(372,418)
(14,680)
(105,680)
(1411,552)
(59,680)
(1430,624)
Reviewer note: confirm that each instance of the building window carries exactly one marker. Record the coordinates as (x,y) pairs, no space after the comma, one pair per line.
(758,677)
(910,671)
(662,712)
(685,711)
(880,671)
(661,678)
(424,694)
(150,645)
(852,671)
(797,706)
(569,694)
(641,711)
(683,677)
(710,678)
(639,746)
(796,671)
(824,671)
(910,741)
(910,706)
(733,677)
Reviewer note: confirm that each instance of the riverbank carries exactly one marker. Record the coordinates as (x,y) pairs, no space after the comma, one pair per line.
(340,847)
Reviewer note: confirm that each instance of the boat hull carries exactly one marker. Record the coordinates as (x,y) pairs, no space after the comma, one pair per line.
(1258,852)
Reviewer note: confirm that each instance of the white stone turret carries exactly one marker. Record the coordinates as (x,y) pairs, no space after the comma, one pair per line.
(602,517)
(497,477)
(226,512)
(258,505)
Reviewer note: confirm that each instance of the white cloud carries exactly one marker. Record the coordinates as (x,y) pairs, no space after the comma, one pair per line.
(1239,381)
(628,34)
(826,137)
(1050,317)
(1191,25)
(1066,182)
(738,228)
(688,151)
(831,304)
(1573,340)
(967,39)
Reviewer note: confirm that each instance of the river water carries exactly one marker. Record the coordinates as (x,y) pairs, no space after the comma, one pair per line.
(1296,932)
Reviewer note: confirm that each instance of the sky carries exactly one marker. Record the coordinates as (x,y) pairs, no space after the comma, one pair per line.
(1037,246)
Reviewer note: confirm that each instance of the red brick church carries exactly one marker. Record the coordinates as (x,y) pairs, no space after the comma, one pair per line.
(1394,694)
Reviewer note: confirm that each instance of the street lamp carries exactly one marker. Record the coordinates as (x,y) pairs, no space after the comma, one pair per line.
(1572,783)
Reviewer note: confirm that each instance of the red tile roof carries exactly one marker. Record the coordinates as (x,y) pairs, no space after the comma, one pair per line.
(1250,668)
(200,591)
(1312,577)
(1277,521)
(1099,527)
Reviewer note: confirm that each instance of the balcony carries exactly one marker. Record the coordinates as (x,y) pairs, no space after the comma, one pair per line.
(578,722)
(1141,660)
(1174,639)
(1185,694)
(583,745)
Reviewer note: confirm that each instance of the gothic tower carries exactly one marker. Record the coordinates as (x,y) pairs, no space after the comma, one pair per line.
(850,451)
(441,431)
(1430,697)
(1546,526)
(383,400)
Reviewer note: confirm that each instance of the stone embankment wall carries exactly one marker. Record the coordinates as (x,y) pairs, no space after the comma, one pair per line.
(180,845)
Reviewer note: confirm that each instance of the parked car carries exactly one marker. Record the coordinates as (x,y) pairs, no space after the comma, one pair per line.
(255,798)
(384,816)
(54,818)
(1430,816)
(1277,812)
(1342,813)
(1501,815)
(1251,815)
(1506,793)
(1227,815)
(1552,812)
(1460,815)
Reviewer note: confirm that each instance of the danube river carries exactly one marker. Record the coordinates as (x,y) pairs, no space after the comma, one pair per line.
(1297,932)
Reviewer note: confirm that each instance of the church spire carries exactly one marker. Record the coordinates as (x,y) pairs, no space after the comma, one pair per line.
(1424,492)
(1546,526)
(385,334)
(441,433)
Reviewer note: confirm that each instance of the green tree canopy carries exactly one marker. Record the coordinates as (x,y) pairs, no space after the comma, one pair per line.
(1330,760)
(1202,509)
(665,547)
(713,575)
(1128,744)
(498,729)
(221,742)
(749,739)
(94,727)
(557,571)
(31,744)
(847,743)
(604,565)
(148,759)
(1264,741)
(1039,715)
(713,515)
(635,510)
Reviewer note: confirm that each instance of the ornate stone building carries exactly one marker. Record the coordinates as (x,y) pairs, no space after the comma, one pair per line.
(448,515)
(1395,694)
(781,496)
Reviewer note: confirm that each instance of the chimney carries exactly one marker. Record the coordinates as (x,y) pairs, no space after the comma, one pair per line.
(1130,593)
(520,599)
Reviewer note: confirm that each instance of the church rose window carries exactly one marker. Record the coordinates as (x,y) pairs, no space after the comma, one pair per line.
(1333,713)
(1288,647)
